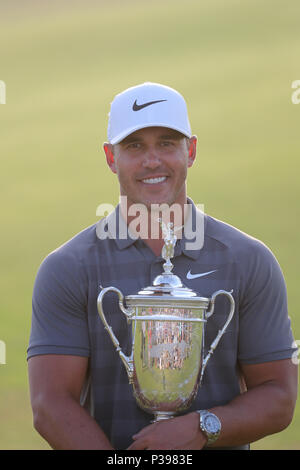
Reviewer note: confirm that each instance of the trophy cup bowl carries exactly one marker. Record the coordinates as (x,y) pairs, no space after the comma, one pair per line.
(167,363)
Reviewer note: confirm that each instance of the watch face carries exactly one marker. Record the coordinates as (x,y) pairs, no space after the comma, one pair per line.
(212,423)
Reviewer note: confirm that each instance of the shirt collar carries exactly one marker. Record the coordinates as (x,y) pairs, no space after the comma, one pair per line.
(123,237)
(193,235)
(195,219)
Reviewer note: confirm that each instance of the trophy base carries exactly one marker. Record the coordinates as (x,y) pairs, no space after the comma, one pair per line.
(161,415)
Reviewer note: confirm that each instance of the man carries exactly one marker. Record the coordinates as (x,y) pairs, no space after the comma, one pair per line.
(80,393)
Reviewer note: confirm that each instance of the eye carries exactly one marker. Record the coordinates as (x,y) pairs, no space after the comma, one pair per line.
(166,143)
(134,145)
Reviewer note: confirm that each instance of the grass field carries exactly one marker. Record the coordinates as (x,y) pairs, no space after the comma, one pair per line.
(233,61)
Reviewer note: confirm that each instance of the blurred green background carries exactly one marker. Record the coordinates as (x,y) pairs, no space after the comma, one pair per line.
(63,61)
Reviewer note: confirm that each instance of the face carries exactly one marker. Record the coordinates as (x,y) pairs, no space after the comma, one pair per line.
(151,165)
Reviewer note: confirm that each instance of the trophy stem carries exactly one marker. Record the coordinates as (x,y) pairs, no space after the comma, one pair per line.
(161,415)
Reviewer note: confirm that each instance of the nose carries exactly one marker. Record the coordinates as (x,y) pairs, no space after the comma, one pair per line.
(151,159)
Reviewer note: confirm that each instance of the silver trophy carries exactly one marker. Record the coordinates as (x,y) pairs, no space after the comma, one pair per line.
(167,362)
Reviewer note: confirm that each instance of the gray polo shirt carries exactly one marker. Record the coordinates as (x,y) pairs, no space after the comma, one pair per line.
(65,319)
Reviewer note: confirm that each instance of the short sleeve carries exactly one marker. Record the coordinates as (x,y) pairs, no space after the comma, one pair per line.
(264,326)
(59,317)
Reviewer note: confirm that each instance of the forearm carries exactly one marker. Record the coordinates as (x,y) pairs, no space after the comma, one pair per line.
(261,411)
(265,408)
(66,425)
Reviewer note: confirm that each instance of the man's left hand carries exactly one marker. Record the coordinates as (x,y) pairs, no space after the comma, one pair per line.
(182,433)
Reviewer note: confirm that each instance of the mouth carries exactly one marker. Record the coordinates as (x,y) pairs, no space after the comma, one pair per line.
(155,180)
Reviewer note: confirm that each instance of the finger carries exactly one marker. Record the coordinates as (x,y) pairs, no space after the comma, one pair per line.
(138,435)
(139,444)
(143,432)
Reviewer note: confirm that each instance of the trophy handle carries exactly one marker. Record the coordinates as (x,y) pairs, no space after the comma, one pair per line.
(127,360)
(215,342)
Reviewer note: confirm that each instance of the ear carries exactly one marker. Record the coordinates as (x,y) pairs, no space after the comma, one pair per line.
(192,150)
(108,149)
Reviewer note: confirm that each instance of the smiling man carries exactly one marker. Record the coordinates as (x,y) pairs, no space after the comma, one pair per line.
(150,149)
(151,165)
(80,394)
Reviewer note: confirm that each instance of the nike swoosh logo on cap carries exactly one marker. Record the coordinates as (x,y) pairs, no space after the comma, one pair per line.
(138,107)
(195,276)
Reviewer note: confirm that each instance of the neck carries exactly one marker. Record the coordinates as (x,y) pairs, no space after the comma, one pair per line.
(146,222)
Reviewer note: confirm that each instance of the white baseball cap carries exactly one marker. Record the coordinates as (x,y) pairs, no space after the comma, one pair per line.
(147,105)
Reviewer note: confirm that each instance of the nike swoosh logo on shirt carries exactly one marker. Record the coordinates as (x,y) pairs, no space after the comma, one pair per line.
(138,107)
(195,276)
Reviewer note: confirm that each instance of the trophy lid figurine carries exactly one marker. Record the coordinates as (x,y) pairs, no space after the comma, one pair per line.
(167,282)
(167,363)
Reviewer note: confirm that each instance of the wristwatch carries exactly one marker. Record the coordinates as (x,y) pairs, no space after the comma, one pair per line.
(210,425)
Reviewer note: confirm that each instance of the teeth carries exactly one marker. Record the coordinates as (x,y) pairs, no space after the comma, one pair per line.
(154,180)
